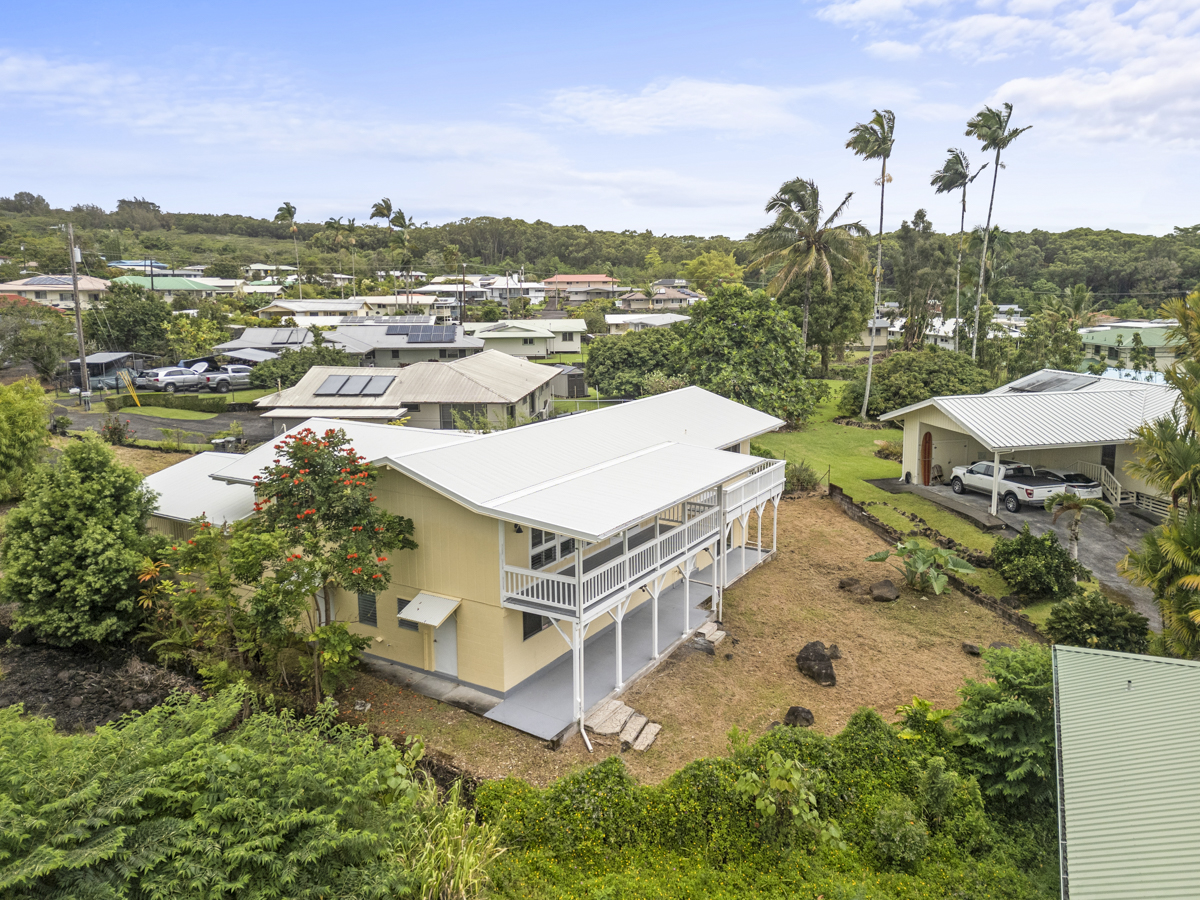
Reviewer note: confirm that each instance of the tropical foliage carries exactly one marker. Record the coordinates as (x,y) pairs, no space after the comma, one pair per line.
(907,378)
(1036,566)
(1089,619)
(292,365)
(1062,503)
(923,567)
(24,433)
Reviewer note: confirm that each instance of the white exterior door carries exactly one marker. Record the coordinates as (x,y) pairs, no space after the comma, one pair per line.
(445,647)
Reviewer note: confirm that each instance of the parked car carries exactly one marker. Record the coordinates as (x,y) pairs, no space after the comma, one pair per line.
(1074,483)
(171,379)
(226,378)
(1018,483)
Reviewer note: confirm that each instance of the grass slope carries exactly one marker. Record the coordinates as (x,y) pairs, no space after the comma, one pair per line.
(162,412)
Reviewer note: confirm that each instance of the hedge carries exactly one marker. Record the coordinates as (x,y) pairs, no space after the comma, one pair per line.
(170,401)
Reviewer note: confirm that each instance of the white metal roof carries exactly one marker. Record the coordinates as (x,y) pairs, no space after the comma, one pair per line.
(333,412)
(1030,421)
(372,440)
(179,498)
(649,320)
(429,609)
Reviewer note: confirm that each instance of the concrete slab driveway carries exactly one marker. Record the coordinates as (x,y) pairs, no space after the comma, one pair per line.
(1101,546)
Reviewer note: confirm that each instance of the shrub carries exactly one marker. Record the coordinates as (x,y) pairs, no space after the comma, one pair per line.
(910,377)
(618,365)
(1088,619)
(1036,565)
(660,383)
(899,834)
(891,450)
(116,430)
(24,433)
(757,449)
(800,476)
(292,365)
(168,401)
(924,567)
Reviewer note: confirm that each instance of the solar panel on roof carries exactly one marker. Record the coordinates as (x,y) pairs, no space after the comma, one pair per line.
(433,334)
(330,386)
(287,336)
(48,279)
(393,330)
(354,385)
(378,385)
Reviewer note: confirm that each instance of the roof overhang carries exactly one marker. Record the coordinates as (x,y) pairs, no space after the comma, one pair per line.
(429,609)
(311,412)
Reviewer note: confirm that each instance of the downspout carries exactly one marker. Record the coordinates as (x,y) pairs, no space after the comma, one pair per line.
(995,481)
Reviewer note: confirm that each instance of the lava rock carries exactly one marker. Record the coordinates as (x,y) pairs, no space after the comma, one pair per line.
(849,584)
(814,662)
(798,717)
(5,632)
(75,702)
(144,700)
(1000,645)
(25,637)
(834,652)
(127,705)
(884,591)
(1013,601)
(65,675)
(971,649)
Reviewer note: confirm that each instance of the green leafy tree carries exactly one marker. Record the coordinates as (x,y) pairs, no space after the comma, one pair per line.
(129,317)
(593,313)
(222,268)
(874,140)
(292,365)
(711,269)
(955,175)
(907,378)
(286,216)
(1007,726)
(24,433)
(742,345)
(1167,457)
(838,315)
(189,337)
(1062,503)
(1036,565)
(1049,341)
(992,128)
(322,527)
(35,334)
(619,364)
(1089,619)
(1168,562)
(73,547)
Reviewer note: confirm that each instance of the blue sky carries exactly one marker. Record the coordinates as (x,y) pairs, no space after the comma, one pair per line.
(680,118)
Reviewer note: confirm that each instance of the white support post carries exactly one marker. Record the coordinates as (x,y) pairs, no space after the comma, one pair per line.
(774,524)
(503,557)
(758,514)
(619,616)
(655,589)
(576,688)
(995,482)
(687,595)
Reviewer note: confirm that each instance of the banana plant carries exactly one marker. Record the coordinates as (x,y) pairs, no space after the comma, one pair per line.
(924,567)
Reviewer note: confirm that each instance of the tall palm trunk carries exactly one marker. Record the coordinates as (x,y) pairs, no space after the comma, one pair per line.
(962,229)
(987,232)
(807,301)
(878,285)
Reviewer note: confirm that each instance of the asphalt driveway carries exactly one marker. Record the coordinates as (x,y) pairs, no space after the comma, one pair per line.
(1101,546)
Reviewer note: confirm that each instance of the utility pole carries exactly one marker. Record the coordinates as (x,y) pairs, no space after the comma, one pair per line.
(85,386)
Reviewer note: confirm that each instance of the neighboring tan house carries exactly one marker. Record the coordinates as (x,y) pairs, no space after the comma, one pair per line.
(663,299)
(1052,419)
(558,562)
(620,323)
(57,291)
(427,394)
(557,286)
(279,309)
(180,501)
(880,329)
(378,341)
(530,337)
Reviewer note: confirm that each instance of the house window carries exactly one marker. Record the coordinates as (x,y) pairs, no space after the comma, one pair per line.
(533,624)
(1150,352)
(532,405)
(567,546)
(412,407)
(39,295)
(1096,349)
(537,537)
(1113,353)
(366,608)
(404,623)
(1180,352)
(568,337)
(527,342)
(512,412)
(395,354)
(543,558)
(442,353)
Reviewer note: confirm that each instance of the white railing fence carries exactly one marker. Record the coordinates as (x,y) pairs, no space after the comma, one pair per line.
(1113,490)
(764,480)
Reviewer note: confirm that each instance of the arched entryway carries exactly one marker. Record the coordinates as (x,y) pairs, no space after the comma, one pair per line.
(926,456)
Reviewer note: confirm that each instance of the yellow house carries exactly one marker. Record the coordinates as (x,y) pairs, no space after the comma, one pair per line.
(559,561)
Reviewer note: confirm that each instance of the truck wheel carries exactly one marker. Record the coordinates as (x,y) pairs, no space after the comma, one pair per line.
(222,387)
(956,485)
(170,388)
(1011,503)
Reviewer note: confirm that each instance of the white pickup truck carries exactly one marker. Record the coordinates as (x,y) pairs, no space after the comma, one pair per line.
(1018,483)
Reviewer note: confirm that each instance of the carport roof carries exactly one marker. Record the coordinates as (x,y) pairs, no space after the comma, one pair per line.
(1036,421)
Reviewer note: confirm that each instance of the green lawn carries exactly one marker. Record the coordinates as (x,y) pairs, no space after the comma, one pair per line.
(566,406)
(577,359)
(162,412)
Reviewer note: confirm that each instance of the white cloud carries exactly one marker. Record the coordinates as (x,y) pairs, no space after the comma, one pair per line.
(894,50)
(681,103)
(869,12)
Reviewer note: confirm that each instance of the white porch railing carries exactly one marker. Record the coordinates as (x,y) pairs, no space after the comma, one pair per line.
(1116,493)
(1160,506)
(761,483)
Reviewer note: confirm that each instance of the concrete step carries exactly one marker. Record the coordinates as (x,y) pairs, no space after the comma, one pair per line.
(716,637)
(602,712)
(646,738)
(616,720)
(632,729)
(707,629)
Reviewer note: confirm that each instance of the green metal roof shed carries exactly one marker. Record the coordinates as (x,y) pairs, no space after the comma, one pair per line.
(1128,730)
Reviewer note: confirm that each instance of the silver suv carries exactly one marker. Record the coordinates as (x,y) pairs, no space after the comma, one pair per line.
(171,379)
(226,378)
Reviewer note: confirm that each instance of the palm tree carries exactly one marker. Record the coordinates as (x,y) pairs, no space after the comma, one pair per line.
(1074,306)
(991,126)
(874,140)
(286,215)
(1062,502)
(994,246)
(351,233)
(801,241)
(1168,562)
(955,174)
(383,210)
(1167,456)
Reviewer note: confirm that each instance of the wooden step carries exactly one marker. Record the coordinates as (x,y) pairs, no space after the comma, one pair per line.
(646,738)
(632,729)
(707,629)
(615,721)
(716,637)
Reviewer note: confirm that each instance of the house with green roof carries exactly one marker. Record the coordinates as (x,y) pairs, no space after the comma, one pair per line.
(170,286)
(1114,343)
(1127,732)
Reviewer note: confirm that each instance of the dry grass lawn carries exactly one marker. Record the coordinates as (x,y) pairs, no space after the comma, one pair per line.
(146,462)
(890,652)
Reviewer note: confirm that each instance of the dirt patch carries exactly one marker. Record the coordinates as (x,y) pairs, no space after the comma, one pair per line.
(890,652)
(81,690)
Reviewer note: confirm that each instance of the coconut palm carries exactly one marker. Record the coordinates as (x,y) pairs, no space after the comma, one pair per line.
(1060,503)
(1074,306)
(874,140)
(991,127)
(351,235)
(801,242)
(955,174)
(1166,455)
(994,245)
(286,215)
(383,210)
(1168,562)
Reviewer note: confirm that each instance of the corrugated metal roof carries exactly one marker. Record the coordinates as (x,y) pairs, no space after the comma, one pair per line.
(1129,745)
(180,500)
(370,440)
(1049,380)
(164,283)
(1028,421)
(333,412)
(649,320)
